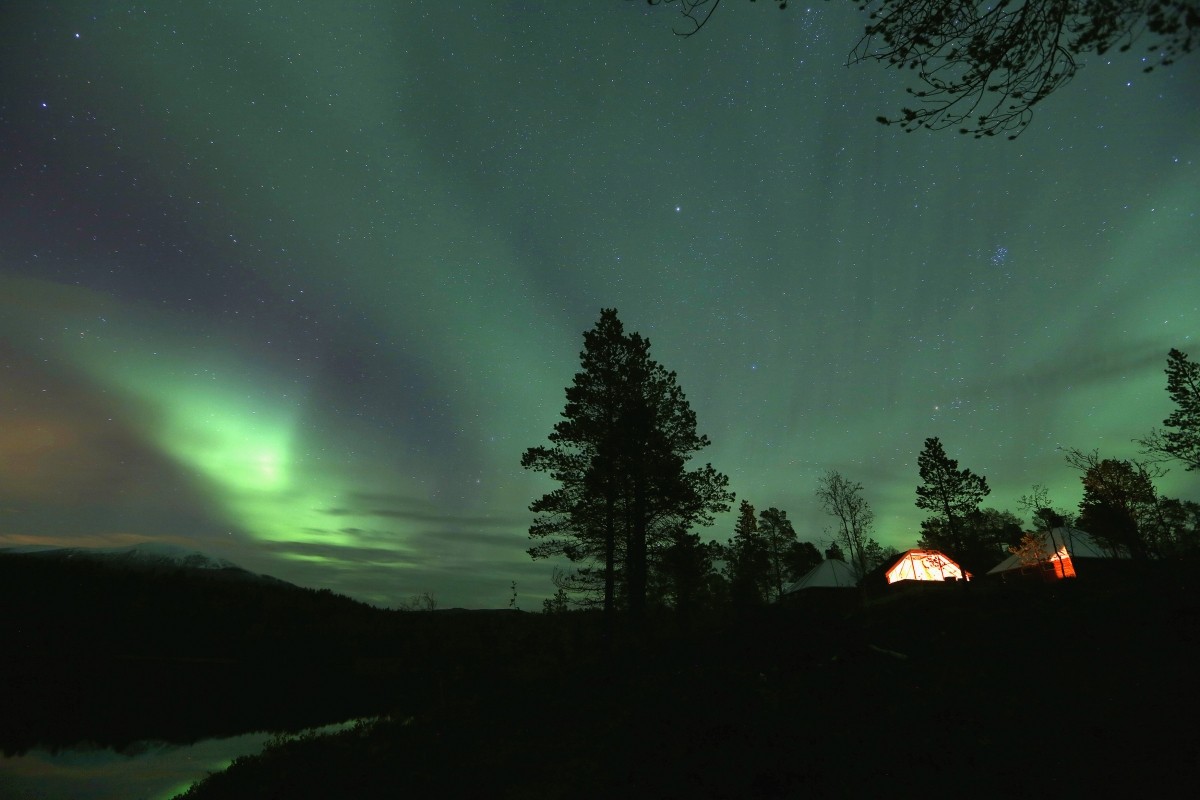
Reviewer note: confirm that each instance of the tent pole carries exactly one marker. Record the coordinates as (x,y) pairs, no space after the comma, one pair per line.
(1062,573)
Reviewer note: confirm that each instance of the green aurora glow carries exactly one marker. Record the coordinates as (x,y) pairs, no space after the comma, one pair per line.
(298,284)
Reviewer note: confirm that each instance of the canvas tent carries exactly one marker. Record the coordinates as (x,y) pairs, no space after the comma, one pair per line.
(831,573)
(925,565)
(1060,551)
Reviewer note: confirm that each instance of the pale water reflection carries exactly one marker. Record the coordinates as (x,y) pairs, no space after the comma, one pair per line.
(147,771)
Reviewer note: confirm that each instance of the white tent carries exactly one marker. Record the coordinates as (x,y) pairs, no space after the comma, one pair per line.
(926,565)
(831,573)
(1059,547)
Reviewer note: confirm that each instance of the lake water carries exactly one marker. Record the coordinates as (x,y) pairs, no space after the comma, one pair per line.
(147,771)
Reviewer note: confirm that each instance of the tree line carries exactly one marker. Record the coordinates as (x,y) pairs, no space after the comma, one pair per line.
(1121,507)
(628,501)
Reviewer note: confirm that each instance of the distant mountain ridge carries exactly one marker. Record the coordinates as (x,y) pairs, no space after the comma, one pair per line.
(151,555)
(119,644)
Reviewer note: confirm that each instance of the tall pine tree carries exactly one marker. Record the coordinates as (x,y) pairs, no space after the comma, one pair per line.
(778,537)
(952,494)
(620,456)
(746,562)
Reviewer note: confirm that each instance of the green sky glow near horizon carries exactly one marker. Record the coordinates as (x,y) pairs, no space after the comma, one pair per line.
(297,285)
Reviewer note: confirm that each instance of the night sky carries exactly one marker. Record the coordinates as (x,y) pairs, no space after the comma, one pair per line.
(295,284)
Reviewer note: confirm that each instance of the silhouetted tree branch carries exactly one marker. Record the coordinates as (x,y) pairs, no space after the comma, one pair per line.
(698,12)
(1181,438)
(842,499)
(982,66)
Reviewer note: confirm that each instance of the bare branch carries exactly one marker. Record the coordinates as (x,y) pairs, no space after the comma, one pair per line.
(982,65)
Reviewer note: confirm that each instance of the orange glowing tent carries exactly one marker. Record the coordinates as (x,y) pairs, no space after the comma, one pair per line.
(926,565)
(1060,550)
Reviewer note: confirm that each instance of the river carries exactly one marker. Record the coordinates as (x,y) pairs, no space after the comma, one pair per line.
(144,771)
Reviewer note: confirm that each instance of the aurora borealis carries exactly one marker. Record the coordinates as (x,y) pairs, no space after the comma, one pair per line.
(295,284)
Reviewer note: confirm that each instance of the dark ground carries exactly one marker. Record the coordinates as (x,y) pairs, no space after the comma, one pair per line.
(983,689)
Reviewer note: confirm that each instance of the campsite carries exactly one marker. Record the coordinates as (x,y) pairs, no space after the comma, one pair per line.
(993,687)
(1015,683)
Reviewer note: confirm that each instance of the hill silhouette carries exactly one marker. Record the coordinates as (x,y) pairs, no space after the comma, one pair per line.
(992,689)
(112,650)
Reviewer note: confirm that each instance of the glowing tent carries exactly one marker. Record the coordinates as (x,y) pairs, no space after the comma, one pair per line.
(925,565)
(831,573)
(1059,550)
